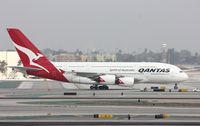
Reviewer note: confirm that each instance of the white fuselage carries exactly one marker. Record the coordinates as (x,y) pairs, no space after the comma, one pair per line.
(142,72)
(105,73)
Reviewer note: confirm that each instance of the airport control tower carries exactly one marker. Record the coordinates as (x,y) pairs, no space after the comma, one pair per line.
(163,53)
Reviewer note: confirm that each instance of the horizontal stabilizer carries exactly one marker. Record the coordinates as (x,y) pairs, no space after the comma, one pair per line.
(24,69)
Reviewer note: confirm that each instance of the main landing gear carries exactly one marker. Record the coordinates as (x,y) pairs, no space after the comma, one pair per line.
(96,87)
(175,86)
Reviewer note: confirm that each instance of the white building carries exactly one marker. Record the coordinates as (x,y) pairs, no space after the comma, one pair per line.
(164,53)
(12,59)
(106,57)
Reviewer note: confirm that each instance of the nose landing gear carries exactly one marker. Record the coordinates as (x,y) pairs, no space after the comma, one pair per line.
(96,87)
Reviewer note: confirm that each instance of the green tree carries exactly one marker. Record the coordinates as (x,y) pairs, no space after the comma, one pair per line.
(3,67)
(19,63)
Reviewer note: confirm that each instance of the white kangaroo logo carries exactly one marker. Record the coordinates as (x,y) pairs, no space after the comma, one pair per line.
(31,55)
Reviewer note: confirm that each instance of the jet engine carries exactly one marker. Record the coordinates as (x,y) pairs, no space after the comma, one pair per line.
(112,79)
(125,81)
(106,79)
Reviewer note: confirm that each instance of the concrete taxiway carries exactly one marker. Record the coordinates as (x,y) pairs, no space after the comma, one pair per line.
(45,102)
(101,122)
(84,108)
(43,108)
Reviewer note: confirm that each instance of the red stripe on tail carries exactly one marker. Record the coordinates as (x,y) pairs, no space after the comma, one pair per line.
(33,58)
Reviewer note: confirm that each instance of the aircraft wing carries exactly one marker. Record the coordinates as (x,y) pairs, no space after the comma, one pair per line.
(90,75)
(94,76)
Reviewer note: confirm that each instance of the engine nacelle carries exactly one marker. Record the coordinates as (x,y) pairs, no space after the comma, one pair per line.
(125,81)
(106,79)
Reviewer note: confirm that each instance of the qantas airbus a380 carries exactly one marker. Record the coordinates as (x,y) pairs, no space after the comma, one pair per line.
(99,74)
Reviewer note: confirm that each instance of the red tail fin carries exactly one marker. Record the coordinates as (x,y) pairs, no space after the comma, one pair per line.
(31,57)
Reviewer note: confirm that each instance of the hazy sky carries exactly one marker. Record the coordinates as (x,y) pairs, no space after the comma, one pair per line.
(103,24)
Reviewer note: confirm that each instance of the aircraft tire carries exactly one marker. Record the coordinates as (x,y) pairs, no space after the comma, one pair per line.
(107,88)
(96,87)
(101,87)
(91,87)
